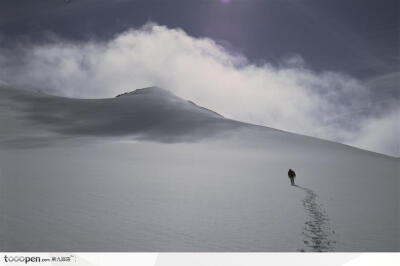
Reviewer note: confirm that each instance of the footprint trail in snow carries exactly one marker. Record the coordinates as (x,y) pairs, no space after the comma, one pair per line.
(317,232)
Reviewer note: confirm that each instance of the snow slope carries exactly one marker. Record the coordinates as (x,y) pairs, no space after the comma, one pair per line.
(148,171)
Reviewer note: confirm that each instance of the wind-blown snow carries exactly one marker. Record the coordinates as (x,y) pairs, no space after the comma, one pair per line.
(148,171)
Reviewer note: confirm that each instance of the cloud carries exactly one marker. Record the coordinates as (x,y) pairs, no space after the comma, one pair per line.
(380,134)
(289,96)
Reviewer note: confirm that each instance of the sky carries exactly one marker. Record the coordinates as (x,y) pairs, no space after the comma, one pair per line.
(328,69)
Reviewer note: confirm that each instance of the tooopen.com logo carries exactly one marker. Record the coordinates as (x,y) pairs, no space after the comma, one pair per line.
(21,259)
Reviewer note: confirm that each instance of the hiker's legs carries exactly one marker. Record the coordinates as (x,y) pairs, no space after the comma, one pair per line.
(291,181)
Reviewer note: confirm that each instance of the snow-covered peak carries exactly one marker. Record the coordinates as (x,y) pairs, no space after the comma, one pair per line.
(154,90)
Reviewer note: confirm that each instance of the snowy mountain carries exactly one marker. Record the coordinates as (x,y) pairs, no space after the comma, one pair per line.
(148,171)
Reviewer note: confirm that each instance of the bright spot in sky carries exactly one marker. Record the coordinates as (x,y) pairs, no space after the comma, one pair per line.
(225,1)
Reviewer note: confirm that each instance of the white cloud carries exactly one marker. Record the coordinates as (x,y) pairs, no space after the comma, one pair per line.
(380,134)
(290,97)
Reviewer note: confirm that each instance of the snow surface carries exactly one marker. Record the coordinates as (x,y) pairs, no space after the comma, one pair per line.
(148,171)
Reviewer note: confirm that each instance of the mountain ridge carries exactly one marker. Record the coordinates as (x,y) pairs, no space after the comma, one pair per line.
(149,113)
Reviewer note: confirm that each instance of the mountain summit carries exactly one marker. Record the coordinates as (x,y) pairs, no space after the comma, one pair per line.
(154,90)
(149,113)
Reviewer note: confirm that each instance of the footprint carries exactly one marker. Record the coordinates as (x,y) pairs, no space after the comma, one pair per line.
(317,232)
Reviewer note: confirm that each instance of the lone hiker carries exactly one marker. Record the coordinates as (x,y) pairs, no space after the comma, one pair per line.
(292,176)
